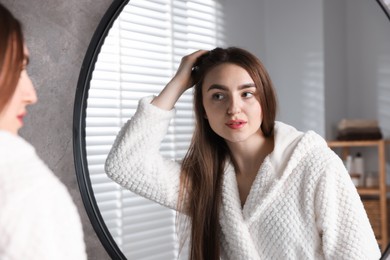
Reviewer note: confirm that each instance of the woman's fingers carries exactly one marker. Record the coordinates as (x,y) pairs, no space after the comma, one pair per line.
(187,62)
(179,83)
(191,58)
(183,73)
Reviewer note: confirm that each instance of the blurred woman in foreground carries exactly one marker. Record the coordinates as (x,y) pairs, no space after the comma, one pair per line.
(38,219)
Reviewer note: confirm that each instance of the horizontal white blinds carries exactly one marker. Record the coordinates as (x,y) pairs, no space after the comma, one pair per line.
(139,56)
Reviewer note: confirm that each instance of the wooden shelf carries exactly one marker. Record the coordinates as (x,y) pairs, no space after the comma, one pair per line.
(359,143)
(379,193)
(368,191)
(371,191)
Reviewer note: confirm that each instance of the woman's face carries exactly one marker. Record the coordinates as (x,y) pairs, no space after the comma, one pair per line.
(231,102)
(11,117)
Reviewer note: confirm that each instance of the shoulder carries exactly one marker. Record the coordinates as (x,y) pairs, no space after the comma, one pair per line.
(23,173)
(30,188)
(14,150)
(295,148)
(313,154)
(31,195)
(10,143)
(323,166)
(17,155)
(300,145)
(314,147)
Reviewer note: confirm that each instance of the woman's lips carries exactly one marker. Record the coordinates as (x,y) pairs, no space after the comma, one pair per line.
(20,117)
(236,124)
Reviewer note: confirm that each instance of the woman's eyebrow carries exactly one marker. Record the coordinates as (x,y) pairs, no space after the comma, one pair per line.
(222,87)
(217,86)
(247,85)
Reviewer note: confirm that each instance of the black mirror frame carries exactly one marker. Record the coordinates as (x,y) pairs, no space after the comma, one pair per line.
(385,8)
(79,114)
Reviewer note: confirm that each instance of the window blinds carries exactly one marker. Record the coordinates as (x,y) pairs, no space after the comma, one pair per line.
(140,54)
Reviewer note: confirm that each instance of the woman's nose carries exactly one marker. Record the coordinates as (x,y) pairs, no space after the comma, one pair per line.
(234,106)
(29,92)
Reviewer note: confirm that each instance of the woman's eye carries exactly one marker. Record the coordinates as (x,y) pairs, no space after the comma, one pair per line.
(247,94)
(217,96)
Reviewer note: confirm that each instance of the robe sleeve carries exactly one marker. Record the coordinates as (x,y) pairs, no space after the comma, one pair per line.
(135,161)
(341,218)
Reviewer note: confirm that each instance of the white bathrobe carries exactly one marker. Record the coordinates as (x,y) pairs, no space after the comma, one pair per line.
(38,219)
(302,204)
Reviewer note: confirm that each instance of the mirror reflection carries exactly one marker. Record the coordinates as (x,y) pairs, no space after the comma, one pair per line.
(332,67)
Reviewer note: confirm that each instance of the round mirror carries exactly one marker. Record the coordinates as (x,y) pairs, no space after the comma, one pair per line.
(328,60)
(79,123)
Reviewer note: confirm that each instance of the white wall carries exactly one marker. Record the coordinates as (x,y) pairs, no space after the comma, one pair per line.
(245,25)
(335,81)
(294,40)
(328,59)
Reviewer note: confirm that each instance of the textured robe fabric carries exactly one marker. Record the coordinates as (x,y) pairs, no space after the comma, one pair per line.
(38,219)
(302,204)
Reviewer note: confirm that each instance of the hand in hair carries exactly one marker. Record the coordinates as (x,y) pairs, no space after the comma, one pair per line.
(179,83)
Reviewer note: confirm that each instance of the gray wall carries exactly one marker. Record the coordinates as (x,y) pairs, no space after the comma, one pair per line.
(58,34)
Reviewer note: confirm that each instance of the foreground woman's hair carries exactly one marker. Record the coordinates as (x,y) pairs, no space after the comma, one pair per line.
(204,163)
(11,55)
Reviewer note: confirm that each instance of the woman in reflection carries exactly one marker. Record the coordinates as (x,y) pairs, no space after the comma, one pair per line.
(252,187)
(38,219)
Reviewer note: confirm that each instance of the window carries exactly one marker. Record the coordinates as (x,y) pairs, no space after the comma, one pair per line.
(140,55)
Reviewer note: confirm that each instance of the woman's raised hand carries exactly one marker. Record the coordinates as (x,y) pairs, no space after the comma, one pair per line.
(179,83)
(183,74)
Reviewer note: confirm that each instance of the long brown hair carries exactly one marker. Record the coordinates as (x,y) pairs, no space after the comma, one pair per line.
(203,166)
(11,54)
